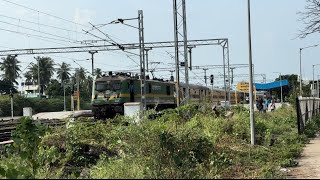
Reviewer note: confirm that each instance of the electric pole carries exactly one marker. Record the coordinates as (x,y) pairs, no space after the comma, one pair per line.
(142,61)
(190,56)
(147,57)
(39,86)
(232,68)
(92,63)
(252,123)
(180,30)
(205,76)
(171,77)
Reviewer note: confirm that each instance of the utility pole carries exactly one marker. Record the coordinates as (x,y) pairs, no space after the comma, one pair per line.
(281,89)
(147,57)
(232,68)
(179,11)
(211,82)
(78,90)
(313,84)
(224,77)
(11,98)
(185,42)
(39,86)
(92,63)
(171,77)
(190,56)
(64,96)
(142,61)
(14,77)
(252,123)
(205,75)
(229,95)
(312,90)
(318,93)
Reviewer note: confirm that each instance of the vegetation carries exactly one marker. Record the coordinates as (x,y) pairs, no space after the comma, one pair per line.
(183,143)
(10,66)
(37,105)
(310,18)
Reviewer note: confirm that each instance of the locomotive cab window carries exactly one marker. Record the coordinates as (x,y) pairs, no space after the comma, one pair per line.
(116,86)
(101,86)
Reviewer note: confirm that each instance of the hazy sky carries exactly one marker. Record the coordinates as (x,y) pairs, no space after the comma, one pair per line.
(274,28)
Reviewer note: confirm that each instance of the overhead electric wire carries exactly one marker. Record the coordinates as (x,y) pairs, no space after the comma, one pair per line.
(45,25)
(71,40)
(39,36)
(45,13)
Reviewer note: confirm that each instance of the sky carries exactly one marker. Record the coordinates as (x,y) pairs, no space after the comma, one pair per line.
(274,26)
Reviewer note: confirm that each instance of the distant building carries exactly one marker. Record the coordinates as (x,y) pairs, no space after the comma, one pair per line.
(30,90)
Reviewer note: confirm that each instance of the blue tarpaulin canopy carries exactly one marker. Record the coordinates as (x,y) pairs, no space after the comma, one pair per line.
(272,85)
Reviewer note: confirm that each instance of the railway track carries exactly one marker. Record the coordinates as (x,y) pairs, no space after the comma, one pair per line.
(7,126)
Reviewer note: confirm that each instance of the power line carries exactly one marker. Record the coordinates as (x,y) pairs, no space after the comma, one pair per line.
(39,36)
(40,31)
(45,13)
(45,25)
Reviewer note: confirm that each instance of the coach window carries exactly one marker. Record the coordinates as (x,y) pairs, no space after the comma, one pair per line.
(168,90)
(150,87)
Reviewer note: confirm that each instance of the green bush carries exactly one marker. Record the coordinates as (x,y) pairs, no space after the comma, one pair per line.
(37,105)
(182,143)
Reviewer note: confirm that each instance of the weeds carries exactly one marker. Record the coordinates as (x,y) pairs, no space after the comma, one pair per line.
(180,143)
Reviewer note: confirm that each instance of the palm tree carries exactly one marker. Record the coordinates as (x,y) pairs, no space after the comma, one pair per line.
(63,72)
(28,76)
(98,72)
(46,71)
(11,68)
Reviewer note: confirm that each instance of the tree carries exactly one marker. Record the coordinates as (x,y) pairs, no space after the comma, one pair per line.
(28,76)
(46,71)
(5,87)
(310,18)
(63,72)
(54,89)
(98,72)
(10,66)
(87,88)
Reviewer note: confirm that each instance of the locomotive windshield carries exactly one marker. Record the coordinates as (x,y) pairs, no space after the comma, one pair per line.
(104,86)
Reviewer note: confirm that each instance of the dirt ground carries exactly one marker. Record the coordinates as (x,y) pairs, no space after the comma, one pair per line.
(309,163)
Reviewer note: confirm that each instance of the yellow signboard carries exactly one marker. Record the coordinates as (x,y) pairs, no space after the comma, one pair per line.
(244,87)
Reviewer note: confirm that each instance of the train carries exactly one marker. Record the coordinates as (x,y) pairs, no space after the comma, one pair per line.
(111,91)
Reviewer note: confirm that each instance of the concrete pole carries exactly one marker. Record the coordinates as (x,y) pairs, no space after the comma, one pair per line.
(92,61)
(281,89)
(147,58)
(11,98)
(229,83)
(205,76)
(185,42)
(224,75)
(175,20)
(78,89)
(318,87)
(252,123)
(39,85)
(190,56)
(300,79)
(142,61)
(64,97)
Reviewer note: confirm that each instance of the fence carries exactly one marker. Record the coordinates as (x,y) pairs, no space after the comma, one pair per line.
(307,107)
